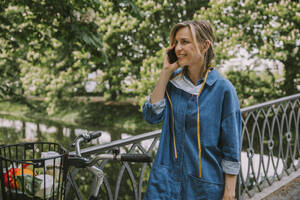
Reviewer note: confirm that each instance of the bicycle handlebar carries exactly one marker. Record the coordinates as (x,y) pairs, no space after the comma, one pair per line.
(81,162)
(85,137)
(95,134)
(136,157)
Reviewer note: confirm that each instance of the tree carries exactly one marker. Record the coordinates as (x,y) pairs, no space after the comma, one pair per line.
(268,29)
(47,47)
(153,37)
(50,47)
(130,38)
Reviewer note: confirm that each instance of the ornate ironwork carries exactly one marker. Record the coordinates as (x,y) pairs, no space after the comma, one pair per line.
(270,144)
(270,150)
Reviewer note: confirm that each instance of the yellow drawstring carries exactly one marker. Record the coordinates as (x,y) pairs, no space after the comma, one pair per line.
(198,123)
(173,123)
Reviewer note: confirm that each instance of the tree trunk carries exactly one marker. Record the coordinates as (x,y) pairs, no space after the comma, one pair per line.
(291,70)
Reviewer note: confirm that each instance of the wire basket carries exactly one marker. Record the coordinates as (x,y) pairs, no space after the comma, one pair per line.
(33,171)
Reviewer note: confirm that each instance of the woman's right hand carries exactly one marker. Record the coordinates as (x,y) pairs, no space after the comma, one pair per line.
(169,68)
(165,74)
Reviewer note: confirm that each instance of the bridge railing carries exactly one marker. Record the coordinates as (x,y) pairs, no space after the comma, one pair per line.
(270,144)
(270,151)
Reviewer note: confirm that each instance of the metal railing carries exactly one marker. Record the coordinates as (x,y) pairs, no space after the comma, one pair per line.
(270,144)
(270,151)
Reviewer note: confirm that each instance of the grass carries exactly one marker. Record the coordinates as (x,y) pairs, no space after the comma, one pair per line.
(16,108)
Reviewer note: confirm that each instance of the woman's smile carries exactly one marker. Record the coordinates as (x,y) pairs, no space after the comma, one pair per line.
(181,56)
(185,49)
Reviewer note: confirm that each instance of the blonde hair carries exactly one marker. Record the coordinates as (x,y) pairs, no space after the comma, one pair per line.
(201,31)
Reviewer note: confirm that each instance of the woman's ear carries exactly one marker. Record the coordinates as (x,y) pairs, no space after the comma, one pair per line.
(205,46)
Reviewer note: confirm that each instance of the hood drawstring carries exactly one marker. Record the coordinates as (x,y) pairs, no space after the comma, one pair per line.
(198,123)
(173,124)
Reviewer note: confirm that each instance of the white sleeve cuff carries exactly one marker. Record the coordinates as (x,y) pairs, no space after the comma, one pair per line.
(157,107)
(230,167)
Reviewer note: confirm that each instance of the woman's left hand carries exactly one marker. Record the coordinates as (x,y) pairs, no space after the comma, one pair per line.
(229,190)
(228,194)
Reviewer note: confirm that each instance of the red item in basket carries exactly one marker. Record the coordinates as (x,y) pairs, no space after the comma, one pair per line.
(11,174)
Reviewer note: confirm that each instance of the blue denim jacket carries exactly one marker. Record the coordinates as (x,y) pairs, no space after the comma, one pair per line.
(220,138)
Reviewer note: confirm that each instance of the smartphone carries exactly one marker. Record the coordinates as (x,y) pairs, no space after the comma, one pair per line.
(172,56)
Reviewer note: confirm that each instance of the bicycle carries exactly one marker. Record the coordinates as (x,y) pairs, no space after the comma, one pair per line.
(74,159)
(78,161)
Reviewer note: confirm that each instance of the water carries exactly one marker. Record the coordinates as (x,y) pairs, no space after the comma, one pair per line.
(115,122)
(15,131)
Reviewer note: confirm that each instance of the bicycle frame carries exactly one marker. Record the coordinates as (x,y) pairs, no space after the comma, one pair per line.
(76,159)
(95,170)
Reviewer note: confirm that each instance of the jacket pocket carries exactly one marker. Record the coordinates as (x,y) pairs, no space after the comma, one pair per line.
(200,189)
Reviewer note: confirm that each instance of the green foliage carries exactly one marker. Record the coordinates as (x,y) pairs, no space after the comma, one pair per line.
(152,36)
(134,35)
(48,48)
(268,29)
(150,71)
(253,88)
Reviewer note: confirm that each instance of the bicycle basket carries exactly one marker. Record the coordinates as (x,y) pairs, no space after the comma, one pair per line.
(33,171)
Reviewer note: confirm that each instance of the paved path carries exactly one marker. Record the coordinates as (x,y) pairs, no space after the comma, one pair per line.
(290,191)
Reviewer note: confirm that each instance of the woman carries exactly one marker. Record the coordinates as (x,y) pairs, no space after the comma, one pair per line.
(199,150)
